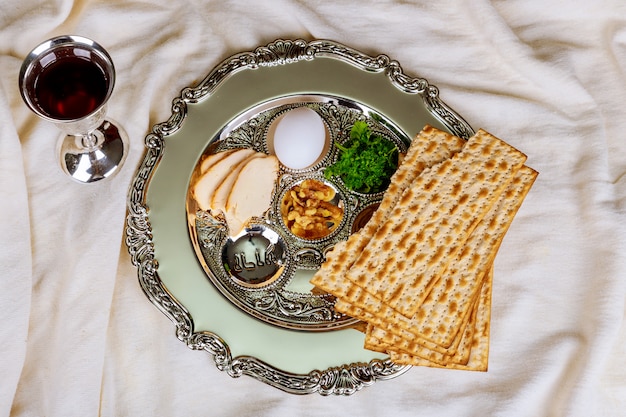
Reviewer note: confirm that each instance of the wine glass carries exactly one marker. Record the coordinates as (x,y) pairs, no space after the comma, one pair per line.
(68,80)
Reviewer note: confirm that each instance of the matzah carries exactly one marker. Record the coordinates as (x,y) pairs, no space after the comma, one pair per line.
(476,357)
(377,339)
(439,317)
(428,148)
(431,222)
(420,272)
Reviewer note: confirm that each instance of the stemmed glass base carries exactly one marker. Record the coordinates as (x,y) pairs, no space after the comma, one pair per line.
(94,156)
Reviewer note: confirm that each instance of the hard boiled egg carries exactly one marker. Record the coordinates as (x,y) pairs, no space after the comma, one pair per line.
(299,138)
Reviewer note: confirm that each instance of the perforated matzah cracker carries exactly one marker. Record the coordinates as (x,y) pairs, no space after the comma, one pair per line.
(431,222)
(440,316)
(420,348)
(383,334)
(474,359)
(415,352)
(429,147)
(450,327)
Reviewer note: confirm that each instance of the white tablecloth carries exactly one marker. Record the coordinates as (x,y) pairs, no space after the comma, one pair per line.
(78,336)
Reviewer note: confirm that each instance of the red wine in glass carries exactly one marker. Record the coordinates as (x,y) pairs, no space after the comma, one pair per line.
(68,81)
(70,88)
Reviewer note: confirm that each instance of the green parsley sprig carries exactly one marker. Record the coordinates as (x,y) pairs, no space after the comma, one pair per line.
(366,162)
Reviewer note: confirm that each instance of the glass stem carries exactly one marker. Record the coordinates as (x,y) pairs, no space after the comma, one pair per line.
(89,140)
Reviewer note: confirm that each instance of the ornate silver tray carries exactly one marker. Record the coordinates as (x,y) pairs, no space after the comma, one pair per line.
(284,299)
(279,333)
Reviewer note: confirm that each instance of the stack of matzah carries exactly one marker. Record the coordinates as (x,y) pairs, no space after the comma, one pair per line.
(419,273)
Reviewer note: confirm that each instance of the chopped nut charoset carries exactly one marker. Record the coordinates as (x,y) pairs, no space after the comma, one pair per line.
(308,211)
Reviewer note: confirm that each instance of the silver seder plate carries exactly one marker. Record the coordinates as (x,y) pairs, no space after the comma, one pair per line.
(263,271)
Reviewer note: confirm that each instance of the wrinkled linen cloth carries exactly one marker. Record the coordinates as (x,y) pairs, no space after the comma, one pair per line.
(79,338)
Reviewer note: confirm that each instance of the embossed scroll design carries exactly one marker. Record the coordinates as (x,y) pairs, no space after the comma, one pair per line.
(343,380)
(281,52)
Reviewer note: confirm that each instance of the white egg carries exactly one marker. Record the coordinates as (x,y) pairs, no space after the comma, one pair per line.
(299,138)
